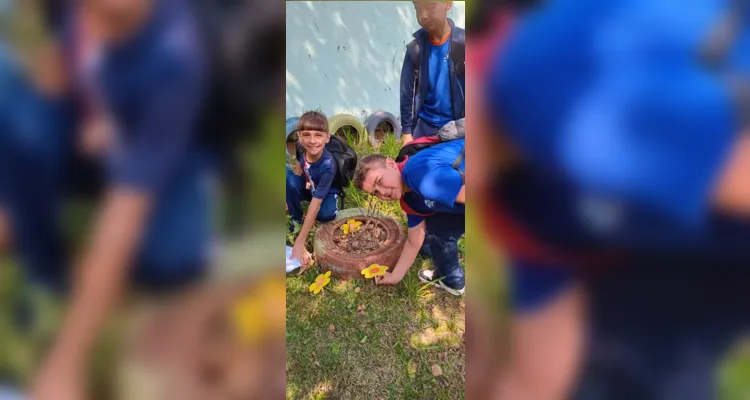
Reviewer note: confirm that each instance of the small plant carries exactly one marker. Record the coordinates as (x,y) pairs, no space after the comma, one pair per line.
(390,146)
(291,234)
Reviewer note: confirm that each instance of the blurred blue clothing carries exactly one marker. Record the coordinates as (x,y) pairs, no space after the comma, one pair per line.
(155,85)
(611,101)
(656,334)
(36,134)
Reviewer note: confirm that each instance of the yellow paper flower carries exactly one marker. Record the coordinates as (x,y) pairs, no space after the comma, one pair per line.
(374,270)
(351,226)
(320,281)
(257,313)
(248,319)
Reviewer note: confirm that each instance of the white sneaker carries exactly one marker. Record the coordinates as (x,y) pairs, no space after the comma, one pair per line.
(429,276)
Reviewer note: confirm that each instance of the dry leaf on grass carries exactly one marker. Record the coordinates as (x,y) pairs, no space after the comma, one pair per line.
(411,368)
(436,370)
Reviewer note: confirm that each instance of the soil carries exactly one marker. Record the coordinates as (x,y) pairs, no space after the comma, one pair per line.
(362,241)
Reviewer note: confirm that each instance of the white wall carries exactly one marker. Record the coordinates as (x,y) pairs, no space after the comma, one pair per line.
(346,56)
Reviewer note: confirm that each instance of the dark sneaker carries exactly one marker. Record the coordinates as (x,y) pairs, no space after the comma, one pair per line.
(429,276)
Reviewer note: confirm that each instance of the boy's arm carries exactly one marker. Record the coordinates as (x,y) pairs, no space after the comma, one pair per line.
(461,198)
(321,191)
(408,92)
(158,144)
(414,240)
(101,278)
(312,214)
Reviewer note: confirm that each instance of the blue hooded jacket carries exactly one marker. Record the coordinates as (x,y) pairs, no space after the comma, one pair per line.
(415,81)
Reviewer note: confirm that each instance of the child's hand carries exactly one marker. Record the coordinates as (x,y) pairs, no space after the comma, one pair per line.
(300,253)
(388,279)
(732,192)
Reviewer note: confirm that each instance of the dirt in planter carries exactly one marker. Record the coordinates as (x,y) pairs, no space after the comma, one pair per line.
(361,242)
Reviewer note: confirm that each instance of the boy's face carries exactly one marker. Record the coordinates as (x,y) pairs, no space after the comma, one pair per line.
(118,19)
(432,14)
(314,141)
(48,69)
(384,182)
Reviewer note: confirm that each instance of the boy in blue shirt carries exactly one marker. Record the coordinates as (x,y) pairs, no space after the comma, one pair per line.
(311,179)
(628,143)
(432,85)
(431,190)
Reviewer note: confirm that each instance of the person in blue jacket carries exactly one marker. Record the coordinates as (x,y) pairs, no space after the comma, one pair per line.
(632,145)
(432,76)
(430,188)
(154,217)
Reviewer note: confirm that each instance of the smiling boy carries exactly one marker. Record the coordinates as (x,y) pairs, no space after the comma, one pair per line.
(311,179)
(431,190)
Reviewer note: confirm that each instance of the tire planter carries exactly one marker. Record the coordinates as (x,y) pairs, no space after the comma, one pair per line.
(291,135)
(339,121)
(379,124)
(347,266)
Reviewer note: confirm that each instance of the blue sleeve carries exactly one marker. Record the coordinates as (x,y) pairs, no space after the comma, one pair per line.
(414,220)
(533,286)
(441,184)
(408,91)
(324,184)
(163,133)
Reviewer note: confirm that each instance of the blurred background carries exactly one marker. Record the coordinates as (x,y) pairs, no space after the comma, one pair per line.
(722,370)
(236,309)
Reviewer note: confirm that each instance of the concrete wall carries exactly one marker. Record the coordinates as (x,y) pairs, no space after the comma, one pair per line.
(346,56)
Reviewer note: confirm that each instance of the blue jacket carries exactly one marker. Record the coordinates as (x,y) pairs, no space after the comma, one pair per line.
(415,78)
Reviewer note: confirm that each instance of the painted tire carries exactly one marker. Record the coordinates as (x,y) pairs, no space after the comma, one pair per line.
(343,120)
(291,127)
(377,126)
(347,266)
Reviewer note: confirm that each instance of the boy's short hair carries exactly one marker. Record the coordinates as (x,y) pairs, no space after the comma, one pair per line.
(366,164)
(313,121)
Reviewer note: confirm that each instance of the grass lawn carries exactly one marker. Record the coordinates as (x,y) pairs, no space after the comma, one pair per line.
(358,341)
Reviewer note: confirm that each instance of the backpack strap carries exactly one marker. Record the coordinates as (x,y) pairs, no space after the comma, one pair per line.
(458,51)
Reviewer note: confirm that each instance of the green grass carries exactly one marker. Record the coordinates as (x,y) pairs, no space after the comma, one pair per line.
(388,351)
